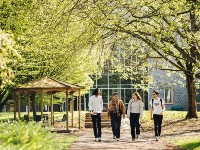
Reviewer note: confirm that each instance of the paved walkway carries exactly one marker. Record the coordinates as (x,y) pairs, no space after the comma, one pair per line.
(146,141)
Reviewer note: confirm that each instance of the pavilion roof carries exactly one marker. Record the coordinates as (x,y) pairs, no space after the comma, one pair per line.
(47,84)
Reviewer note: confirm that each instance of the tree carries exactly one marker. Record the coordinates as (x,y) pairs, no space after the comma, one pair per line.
(8,56)
(167,29)
(52,41)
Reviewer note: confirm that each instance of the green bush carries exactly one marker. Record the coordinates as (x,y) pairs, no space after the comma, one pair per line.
(32,136)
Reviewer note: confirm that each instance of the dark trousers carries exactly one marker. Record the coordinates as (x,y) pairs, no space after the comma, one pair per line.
(135,123)
(157,124)
(96,122)
(115,123)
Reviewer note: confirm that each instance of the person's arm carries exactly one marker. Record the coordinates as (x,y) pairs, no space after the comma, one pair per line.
(123,109)
(109,109)
(151,110)
(101,104)
(89,104)
(128,110)
(91,109)
(141,109)
(163,107)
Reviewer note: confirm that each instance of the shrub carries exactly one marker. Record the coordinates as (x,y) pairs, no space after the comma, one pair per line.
(22,136)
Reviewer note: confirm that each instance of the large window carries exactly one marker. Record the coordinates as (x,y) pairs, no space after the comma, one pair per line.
(198,95)
(169,96)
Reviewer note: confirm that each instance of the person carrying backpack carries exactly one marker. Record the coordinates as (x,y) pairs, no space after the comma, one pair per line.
(157,107)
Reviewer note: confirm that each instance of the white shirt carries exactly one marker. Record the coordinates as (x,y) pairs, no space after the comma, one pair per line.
(135,107)
(157,108)
(96,103)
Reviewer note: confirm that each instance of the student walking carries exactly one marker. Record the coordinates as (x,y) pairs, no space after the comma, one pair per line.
(135,113)
(116,111)
(96,107)
(157,107)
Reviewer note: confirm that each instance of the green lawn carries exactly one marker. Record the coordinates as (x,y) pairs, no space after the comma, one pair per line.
(34,136)
(169,116)
(188,143)
(21,135)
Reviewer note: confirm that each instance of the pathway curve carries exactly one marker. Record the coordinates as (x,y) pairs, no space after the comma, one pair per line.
(146,141)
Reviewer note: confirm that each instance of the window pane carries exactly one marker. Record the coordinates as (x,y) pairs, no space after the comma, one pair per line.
(198,95)
(168,96)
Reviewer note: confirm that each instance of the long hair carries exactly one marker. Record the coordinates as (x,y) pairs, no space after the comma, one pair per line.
(95,92)
(138,95)
(115,93)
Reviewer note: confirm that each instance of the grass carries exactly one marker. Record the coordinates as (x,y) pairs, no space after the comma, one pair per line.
(21,135)
(188,143)
(34,136)
(169,117)
(5,116)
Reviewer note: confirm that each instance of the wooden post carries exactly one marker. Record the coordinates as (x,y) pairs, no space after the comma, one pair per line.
(18,106)
(14,106)
(28,94)
(52,114)
(79,103)
(72,101)
(41,107)
(67,109)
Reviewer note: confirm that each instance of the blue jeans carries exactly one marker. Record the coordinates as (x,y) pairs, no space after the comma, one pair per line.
(96,122)
(115,123)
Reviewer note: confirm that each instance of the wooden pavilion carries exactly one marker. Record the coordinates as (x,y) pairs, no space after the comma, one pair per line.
(51,86)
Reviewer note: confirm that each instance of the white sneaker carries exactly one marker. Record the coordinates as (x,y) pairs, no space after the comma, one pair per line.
(117,139)
(156,138)
(114,137)
(99,140)
(96,139)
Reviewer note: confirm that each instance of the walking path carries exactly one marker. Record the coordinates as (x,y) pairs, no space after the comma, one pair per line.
(146,141)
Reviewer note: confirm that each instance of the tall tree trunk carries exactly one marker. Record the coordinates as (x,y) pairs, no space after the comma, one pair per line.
(5,96)
(33,105)
(191,90)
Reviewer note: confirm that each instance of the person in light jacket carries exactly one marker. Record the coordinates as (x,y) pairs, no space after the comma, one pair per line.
(135,113)
(96,106)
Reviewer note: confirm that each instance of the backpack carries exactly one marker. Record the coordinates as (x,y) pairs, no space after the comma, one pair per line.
(160,102)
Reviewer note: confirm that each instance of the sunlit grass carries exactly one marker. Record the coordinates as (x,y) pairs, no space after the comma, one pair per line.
(5,116)
(22,132)
(169,116)
(21,135)
(189,143)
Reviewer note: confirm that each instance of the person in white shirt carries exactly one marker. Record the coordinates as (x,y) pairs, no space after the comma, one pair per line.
(96,107)
(157,107)
(135,113)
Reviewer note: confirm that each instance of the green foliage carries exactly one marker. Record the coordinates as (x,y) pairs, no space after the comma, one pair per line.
(165,31)
(189,143)
(19,135)
(8,57)
(53,41)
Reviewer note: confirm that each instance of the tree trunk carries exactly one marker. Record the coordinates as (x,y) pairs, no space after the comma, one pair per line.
(4,98)
(191,90)
(33,105)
